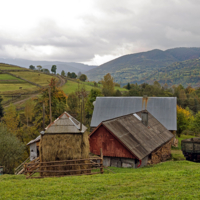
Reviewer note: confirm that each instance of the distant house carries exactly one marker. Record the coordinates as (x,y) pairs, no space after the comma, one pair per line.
(162,108)
(132,140)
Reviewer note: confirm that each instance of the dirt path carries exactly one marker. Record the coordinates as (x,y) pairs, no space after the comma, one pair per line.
(19,102)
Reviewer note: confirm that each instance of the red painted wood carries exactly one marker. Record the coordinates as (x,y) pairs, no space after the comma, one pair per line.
(111,147)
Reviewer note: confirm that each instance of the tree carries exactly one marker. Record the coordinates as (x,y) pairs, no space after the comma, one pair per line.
(89,106)
(39,67)
(128,87)
(32,67)
(195,124)
(11,149)
(29,110)
(83,77)
(69,74)
(46,71)
(73,75)
(63,73)
(58,104)
(108,85)
(53,69)
(72,102)
(183,120)
(11,119)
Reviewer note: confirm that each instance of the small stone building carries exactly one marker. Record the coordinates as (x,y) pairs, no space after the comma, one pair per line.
(132,140)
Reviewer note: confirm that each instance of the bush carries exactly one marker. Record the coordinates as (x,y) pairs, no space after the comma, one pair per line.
(11,150)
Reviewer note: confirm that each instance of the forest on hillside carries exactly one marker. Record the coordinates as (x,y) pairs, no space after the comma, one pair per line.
(173,66)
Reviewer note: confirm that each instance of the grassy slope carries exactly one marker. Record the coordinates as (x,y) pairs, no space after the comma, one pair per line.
(169,180)
(9,77)
(72,86)
(10,67)
(36,77)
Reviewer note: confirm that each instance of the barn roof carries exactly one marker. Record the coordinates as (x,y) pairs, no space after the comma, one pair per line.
(65,124)
(139,139)
(37,139)
(162,108)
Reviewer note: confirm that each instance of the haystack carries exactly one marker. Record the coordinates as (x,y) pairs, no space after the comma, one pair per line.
(64,139)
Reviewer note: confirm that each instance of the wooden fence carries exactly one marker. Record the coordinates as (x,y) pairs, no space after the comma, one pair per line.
(75,167)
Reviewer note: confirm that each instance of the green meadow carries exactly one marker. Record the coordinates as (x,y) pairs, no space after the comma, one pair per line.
(72,86)
(168,180)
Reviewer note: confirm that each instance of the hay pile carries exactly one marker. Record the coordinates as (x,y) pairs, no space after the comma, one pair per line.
(58,147)
(161,154)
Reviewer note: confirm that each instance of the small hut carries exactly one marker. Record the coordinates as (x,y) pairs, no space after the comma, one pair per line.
(64,139)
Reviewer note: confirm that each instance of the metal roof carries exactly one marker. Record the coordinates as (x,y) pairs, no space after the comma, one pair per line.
(141,140)
(162,108)
(37,139)
(65,124)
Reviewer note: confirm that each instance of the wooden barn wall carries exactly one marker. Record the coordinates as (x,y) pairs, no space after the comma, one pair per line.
(110,145)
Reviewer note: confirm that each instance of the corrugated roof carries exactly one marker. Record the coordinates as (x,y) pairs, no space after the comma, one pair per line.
(141,140)
(162,108)
(65,124)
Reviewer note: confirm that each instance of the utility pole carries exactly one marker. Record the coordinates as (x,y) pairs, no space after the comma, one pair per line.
(50,105)
(43,110)
(81,116)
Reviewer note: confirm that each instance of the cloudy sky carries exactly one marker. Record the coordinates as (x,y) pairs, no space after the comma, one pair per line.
(95,31)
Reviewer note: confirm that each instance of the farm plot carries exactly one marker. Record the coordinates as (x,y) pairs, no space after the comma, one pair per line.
(10,67)
(16,87)
(8,78)
(35,77)
(72,86)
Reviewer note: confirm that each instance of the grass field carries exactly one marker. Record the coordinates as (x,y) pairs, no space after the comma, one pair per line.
(4,87)
(10,67)
(72,86)
(9,77)
(169,180)
(35,77)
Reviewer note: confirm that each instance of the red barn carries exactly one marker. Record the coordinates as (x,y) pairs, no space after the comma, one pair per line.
(131,140)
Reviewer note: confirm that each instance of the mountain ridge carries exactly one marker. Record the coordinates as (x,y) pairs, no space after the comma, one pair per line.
(137,67)
(66,66)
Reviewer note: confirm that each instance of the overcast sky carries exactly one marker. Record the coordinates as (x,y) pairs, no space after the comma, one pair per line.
(95,31)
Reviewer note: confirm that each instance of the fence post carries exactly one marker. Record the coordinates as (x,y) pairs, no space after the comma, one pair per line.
(101,161)
(25,169)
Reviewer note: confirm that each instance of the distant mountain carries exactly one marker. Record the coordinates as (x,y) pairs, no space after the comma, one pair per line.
(66,66)
(185,73)
(138,67)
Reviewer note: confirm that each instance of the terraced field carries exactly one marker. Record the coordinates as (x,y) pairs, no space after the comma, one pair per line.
(35,77)
(10,67)
(72,86)
(11,83)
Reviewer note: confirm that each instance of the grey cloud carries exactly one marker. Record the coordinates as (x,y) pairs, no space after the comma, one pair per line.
(147,25)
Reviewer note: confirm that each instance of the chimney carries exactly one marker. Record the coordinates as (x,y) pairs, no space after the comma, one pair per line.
(144,116)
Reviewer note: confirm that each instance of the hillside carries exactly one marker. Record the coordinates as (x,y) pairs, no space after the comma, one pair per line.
(185,73)
(72,86)
(66,66)
(138,67)
(18,83)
